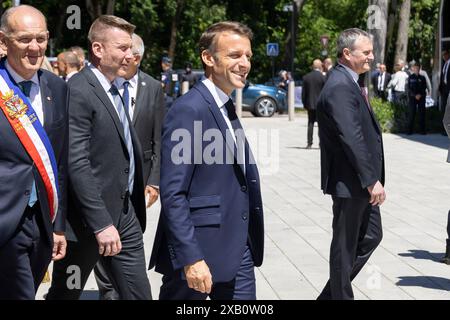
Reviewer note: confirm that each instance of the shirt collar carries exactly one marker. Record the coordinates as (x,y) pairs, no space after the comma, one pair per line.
(352,73)
(101,78)
(219,96)
(133,81)
(18,78)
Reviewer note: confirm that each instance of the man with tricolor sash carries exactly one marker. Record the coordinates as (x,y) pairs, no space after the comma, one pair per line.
(33,156)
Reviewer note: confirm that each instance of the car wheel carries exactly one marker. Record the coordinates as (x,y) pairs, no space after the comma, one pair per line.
(265,107)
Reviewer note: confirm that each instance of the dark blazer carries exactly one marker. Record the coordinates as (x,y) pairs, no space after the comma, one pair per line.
(444,88)
(98,160)
(147,121)
(446,123)
(350,138)
(313,83)
(209,211)
(387,78)
(16,167)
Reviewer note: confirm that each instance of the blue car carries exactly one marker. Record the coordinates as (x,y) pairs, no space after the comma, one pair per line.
(262,100)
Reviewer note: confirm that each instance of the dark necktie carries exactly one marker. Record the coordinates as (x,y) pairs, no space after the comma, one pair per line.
(364,93)
(126,131)
(25,86)
(126,96)
(238,132)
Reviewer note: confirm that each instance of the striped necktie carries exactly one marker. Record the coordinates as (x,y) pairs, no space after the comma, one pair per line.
(123,116)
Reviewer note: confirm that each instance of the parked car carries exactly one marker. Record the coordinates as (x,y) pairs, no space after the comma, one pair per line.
(262,100)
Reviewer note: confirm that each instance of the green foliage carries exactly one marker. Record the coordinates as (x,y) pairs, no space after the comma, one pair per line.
(153,20)
(393,118)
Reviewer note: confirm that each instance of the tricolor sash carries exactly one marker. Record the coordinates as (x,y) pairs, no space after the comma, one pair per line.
(25,123)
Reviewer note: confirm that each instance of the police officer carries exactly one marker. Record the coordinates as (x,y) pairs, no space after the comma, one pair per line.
(417,88)
(169,81)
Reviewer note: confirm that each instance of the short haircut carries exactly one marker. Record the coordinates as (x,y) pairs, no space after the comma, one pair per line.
(208,39)
(4,21)
(78,51)
(104,22)
(71,59)
(138,45)
(347,39)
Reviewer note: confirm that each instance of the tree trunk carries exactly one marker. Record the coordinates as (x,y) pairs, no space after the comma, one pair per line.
(377,26)
(95,7)
(401,47)
(174,29)
(110,6)
(436,67)
(291,36)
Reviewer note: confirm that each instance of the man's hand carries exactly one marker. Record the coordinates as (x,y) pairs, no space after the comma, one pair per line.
(108,242)
(377,194)
(152,193)
(418,96)
(59,246)
(198,276)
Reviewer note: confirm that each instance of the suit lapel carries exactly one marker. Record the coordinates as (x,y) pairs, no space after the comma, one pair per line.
(47,101)
(140,94)
(361,96)
(218,116)
(101,94)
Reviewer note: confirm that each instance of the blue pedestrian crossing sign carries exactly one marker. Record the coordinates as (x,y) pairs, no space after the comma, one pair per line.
(272,49)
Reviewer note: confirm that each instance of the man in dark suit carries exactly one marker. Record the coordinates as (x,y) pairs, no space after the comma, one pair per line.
(446,122)
(107,215)
(352,163)
(33,156)
(210,233)
(313,83)
(380,82)
(145,99)
(444,82)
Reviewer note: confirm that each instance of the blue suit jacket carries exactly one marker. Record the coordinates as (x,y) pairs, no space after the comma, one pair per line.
(16,167)
(209,211)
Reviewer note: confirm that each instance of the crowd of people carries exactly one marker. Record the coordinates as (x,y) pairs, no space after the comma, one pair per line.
(86,151)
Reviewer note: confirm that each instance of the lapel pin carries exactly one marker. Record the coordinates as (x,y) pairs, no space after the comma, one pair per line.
(49,98)
(143,83)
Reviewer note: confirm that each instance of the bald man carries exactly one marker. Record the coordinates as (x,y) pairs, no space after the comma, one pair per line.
(72,64)
(33,156)
(61,65)
(313,83)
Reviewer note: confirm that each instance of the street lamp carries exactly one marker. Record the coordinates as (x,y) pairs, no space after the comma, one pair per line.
(292,8)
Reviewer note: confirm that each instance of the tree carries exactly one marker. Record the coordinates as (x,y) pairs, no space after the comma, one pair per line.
(291,35)
(98,7)
(401,47)
(174,28)
(377,26)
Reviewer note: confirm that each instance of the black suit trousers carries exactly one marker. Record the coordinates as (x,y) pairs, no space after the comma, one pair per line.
(25,258)
(311,119)
(357,232)
(126,270)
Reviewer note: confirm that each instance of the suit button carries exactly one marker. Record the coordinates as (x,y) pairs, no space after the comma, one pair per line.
(257,208)
(27,193)
(244,216)
(254,181)
(243,188)
(127,170)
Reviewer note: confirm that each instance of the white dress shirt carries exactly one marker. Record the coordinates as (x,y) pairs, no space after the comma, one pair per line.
(354,75)
(221,98)
(105,84)
(35,92)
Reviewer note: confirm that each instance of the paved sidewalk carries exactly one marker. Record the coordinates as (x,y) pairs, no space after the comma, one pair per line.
(298,220)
